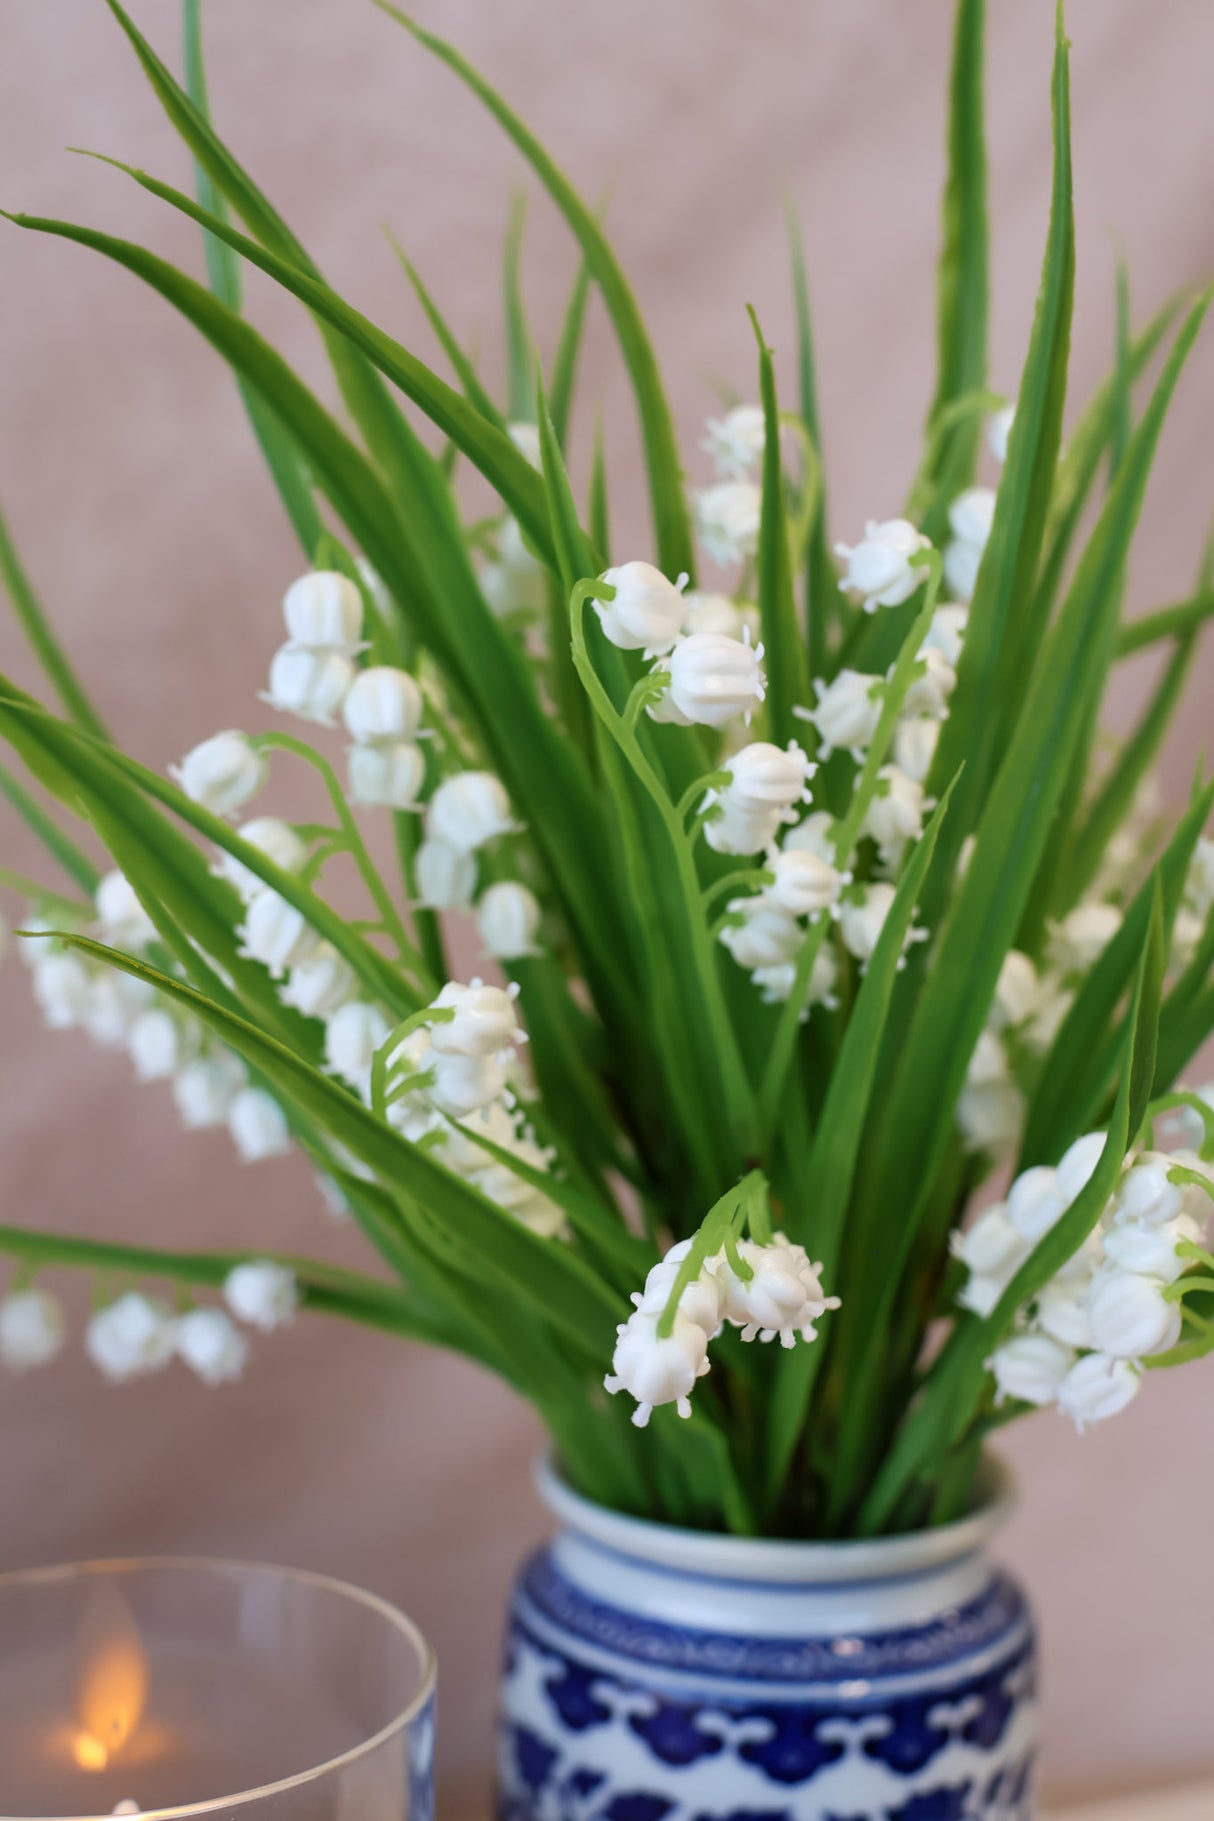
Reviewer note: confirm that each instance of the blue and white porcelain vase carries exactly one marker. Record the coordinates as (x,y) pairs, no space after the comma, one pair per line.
(656,1674)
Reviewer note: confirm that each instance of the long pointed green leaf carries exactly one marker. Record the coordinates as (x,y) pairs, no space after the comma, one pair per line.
(520,362)
(787,670)
(465,371)
(564,367)
(1165,623)
(43,643)
(74,861)
(822,597)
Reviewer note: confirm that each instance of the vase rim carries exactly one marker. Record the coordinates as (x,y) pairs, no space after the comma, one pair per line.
(782,1559)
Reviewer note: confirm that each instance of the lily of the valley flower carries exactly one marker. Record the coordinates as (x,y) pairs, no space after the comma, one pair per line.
(134,1335)
(205,1088)
(159,1044)
(1031,1368)
(881,568)
(311,685)
(508,919)
(804,884)
(122,917)
(276,933)
(384,703)
(645,613)
(1077,940)
(1097,1387)
(32,1329)
(711,679)
(847,711)
(386,774)
(485,1020)
(324,612)
(969,517)
(736,441)
(469,810)
(655,1369)
(1129,1316)
(222,773)
(765,937)
(998,430)
(352,1037)
(445,875)
(258,1126)
(274,838)
(61,985)
(321,985)
(895,815)
(211,1345)
(727,520)
(262,1293)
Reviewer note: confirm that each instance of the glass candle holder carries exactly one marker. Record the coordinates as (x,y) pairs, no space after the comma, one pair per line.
(205,1688)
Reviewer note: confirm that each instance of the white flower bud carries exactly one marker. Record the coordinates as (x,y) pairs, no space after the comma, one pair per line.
(526,439)
(764,777)
(1048,1017)
(971,515)
(485,1020)
(262,1293)
(222,773)
(848,709)
(211,1345)
(776,983)
(813,835)
(276,933)
(1078,1165)
(321,985)
(204,1089)
(880,568)
(991,1245)
(518,556)
(1036,1203)
(1030,1368)
(32,1329)
(1017,992)
(766,937)
(998,430)
(990,1116)
(509,587)
(862,917)
(712,613)
(1076,940)
(134,1335)
(386,774)
(309,684)
(324,611)
(929,692)
(61,985)
(508,917)
(961,565)
(352,1037)
(946,633)
(463,1083)
(157,1044)
(646,612)
(915,740)
(804,885)
(1149,1250)
(1097,1387)
(122,917)
(1062,1313)
(982,1290)
(655,1370)
(730,829)
(712,679)
(258,1126)
(384,703)
(1128,1315)
(446,877)
(736,441)
(468,810)
(274,838)
(727,520)
(895,814)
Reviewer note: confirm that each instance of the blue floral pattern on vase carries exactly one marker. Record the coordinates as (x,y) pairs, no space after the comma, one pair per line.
(611,1714)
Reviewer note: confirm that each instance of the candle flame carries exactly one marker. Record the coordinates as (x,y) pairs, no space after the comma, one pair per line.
(111,1688)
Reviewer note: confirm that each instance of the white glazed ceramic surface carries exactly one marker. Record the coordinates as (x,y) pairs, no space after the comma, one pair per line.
(654,1674)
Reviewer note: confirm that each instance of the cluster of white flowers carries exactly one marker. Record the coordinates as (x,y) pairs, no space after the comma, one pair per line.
(710,676)
(728,513)
(312,674)
(778,1292)
(136,1334)
(1080,1342)
(881,568)
(385,765)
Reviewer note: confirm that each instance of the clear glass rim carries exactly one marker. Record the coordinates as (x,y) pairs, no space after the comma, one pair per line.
(400,1622)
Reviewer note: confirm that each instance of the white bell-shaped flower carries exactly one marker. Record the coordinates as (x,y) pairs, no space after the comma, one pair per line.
(862,915)
(706,612)
(463,1082)
(1199,880)
(881,567)
(123,920)
(1077,940)
(654,1370)
(1128,1315)
(352,1037)
(386,774)
(1035,1202)
(158,1044)
(324,611)
(276,933)
(131,1336)
(735,442)
(702,1300)
(321,985)
(847,711)
(1030,1368)
(526,439)
(766,936)
(460,1151)
(1097,1387)
(274,838)
(1063,1314)
(962,562)
(646,612)
(205,1088)
(258,1126)
(32,1329)
(62,986)
(222,773)
(804,885)
(763,777)
(712,679)
(1145,1193)
(112,1010)
(262,1293)
(775,984)
(990,1116)
(508,920)
(915,740)
(469,810)
(894,817)
(728,517)
(972,514)
(1077,1165)
(783,1296)
(384,703)
(485,1021)
(1017,992)
(930,690)
(946,633)
(991,1245)
(813,834)
(446,876)
(1148,1249)
(731,829)
(211,1345)
(998,429)
(311,685)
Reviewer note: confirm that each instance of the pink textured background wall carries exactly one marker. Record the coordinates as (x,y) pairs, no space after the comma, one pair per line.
(129,478)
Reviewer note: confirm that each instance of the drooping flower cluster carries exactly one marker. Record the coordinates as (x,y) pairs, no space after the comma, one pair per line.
(313,673)
(767,1291)
(1080,1342)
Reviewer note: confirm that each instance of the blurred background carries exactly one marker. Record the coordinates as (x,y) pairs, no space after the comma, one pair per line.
(137,497)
